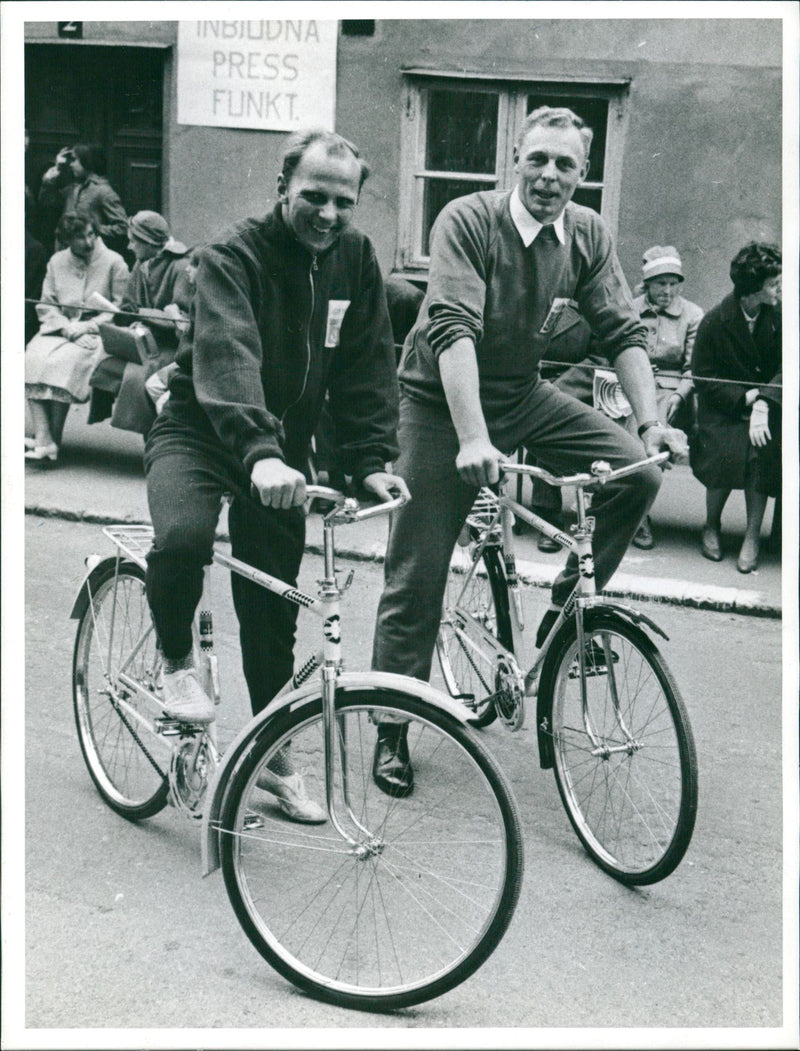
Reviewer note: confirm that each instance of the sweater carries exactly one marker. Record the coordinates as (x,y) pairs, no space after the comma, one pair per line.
(486,285)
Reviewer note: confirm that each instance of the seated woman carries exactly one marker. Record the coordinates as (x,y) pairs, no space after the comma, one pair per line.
(77,183)
(157,297)
(736,365)
(61,357)
(671,323)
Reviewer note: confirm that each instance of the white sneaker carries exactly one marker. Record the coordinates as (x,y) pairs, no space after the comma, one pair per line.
(185,699)
(292,798)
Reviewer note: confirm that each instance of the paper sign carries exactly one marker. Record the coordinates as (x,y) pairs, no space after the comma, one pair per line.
(337,308)
(555,312)
(273,75)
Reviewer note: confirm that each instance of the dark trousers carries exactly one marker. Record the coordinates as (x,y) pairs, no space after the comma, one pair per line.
(566,437)
(187,474)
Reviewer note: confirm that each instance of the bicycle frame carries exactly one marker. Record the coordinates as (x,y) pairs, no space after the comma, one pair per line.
(132,543)
(583,596)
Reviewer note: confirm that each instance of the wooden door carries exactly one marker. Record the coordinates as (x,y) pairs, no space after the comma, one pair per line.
(109,95)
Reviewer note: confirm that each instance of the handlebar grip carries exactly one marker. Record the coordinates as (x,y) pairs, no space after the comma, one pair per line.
(380,509)
(354,513)
(323,492)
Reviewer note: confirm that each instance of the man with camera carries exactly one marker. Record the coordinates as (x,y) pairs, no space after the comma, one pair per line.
(77,183)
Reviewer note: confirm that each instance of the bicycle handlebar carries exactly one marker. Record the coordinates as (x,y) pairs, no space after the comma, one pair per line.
(348,509)
(600,472)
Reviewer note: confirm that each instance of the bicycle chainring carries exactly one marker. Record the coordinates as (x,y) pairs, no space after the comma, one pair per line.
(509,700)
(191,769)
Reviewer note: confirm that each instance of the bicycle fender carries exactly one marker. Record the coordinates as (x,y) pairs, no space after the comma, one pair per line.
(635,617)
(96,566)
(544,697)
(351,681)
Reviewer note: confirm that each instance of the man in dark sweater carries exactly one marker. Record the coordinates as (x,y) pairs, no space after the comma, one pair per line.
(286,308)
(503,268)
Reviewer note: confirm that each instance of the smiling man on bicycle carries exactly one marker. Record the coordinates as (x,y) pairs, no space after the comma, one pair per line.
(287,308)
(503,266)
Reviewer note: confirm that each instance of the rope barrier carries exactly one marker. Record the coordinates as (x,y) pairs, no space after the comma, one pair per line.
(560,365)
(92,309)
(589,366)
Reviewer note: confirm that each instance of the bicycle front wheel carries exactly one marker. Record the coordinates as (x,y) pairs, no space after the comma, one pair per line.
(116,637)
(625,761)
(469,666)
(424,894)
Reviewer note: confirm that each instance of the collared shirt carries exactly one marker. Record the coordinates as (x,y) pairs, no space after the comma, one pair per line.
(751,321)
(528,226)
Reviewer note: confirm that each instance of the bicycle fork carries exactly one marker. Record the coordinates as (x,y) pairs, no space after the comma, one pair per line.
(334,728)
(587,591)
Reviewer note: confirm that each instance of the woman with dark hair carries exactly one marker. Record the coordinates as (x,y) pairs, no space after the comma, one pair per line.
(61,357)
(736,366)
(78,177)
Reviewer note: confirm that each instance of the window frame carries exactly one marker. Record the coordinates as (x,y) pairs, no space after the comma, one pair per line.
(512,91)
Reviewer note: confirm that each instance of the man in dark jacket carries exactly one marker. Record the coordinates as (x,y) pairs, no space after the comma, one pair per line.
(286,308)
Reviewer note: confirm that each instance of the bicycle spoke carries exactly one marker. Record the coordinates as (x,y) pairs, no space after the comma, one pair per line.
(403,907)
(622,775)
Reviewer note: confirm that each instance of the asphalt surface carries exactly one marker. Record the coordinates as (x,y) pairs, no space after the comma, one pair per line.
(121,931)
(99,478)
(708,954)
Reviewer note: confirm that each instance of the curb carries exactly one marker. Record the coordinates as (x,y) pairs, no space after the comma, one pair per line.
(663,590)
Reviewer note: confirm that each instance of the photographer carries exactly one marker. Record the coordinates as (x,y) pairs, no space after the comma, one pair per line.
(78,180)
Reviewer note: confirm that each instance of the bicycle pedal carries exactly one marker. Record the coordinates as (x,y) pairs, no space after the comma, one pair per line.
(176,728)
(592,670)
(595,662)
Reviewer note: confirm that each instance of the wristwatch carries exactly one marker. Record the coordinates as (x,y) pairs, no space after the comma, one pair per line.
(647,425)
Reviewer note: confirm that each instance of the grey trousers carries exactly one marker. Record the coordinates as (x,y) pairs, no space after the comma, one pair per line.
(566,437)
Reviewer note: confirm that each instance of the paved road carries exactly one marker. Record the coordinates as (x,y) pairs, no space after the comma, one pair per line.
(121,930)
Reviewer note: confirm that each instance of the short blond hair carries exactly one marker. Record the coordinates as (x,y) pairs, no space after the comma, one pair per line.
(556,117)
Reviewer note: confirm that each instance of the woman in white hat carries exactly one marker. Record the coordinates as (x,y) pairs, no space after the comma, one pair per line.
(158,297)
(671,323)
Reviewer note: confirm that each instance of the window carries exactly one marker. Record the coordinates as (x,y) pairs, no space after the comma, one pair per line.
(458,137)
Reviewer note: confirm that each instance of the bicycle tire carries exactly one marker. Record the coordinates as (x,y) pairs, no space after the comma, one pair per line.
(633,807)
(125,762)
(468,672)
(369,932)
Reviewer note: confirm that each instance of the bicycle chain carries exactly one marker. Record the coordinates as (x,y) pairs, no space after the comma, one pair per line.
(164,776)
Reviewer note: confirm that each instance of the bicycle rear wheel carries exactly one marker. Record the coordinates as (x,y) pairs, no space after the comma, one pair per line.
(127,763)
(469,667)
(630,786)
(428,892)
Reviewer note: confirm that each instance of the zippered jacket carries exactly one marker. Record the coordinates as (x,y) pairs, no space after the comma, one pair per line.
(275,328)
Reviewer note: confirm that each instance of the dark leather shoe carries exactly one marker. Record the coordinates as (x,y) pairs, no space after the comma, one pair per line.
(643,538)
(547,545)
(710,544)
(391,766)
